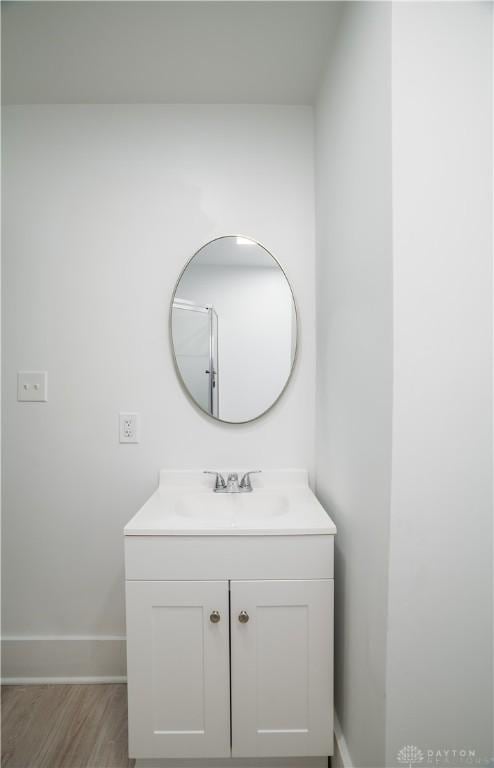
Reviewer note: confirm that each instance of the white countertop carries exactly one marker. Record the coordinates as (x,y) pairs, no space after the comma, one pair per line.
(185,505)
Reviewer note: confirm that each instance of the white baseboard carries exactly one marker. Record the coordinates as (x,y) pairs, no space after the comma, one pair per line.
(341,757)
(30,659)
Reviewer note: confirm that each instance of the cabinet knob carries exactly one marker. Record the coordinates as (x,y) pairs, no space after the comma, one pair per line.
(214,617)
(243,617)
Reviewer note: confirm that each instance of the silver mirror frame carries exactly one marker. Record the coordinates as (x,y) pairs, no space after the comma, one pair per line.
(172,347)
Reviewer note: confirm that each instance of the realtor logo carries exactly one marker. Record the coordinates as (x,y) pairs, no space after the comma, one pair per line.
(410,755)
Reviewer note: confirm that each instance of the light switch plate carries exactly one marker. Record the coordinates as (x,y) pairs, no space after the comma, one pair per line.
(32,386)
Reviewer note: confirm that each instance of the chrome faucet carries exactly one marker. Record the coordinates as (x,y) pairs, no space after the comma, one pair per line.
(232,484)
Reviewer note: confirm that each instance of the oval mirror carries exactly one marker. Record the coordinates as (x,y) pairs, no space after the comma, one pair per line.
(233,329)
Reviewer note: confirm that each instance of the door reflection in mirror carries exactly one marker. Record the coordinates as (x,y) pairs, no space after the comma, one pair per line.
(195,338)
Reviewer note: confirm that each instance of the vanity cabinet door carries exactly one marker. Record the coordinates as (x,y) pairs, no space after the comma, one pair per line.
(282,659)
(178,668)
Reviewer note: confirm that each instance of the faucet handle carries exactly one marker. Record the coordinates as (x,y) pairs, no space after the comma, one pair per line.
(245,481)
(219,481)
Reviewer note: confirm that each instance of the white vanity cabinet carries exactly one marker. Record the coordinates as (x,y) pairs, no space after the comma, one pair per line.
(237,667)
(229,641)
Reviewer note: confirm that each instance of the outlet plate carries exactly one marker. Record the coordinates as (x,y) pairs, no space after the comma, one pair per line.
(32,386)
(129,427)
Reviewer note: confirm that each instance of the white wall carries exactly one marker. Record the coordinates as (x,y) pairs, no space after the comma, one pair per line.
(354,359)
(440,626)
(103,205)
(414,651)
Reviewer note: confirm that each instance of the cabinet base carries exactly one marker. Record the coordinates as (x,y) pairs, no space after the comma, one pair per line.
(234,762)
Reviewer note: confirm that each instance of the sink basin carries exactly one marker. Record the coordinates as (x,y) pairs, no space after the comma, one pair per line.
(281,503)
(232,507)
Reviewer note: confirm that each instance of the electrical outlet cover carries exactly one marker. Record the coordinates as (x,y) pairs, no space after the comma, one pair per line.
(129,427)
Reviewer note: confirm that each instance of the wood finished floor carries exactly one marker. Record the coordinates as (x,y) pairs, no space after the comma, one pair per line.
(64,726)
